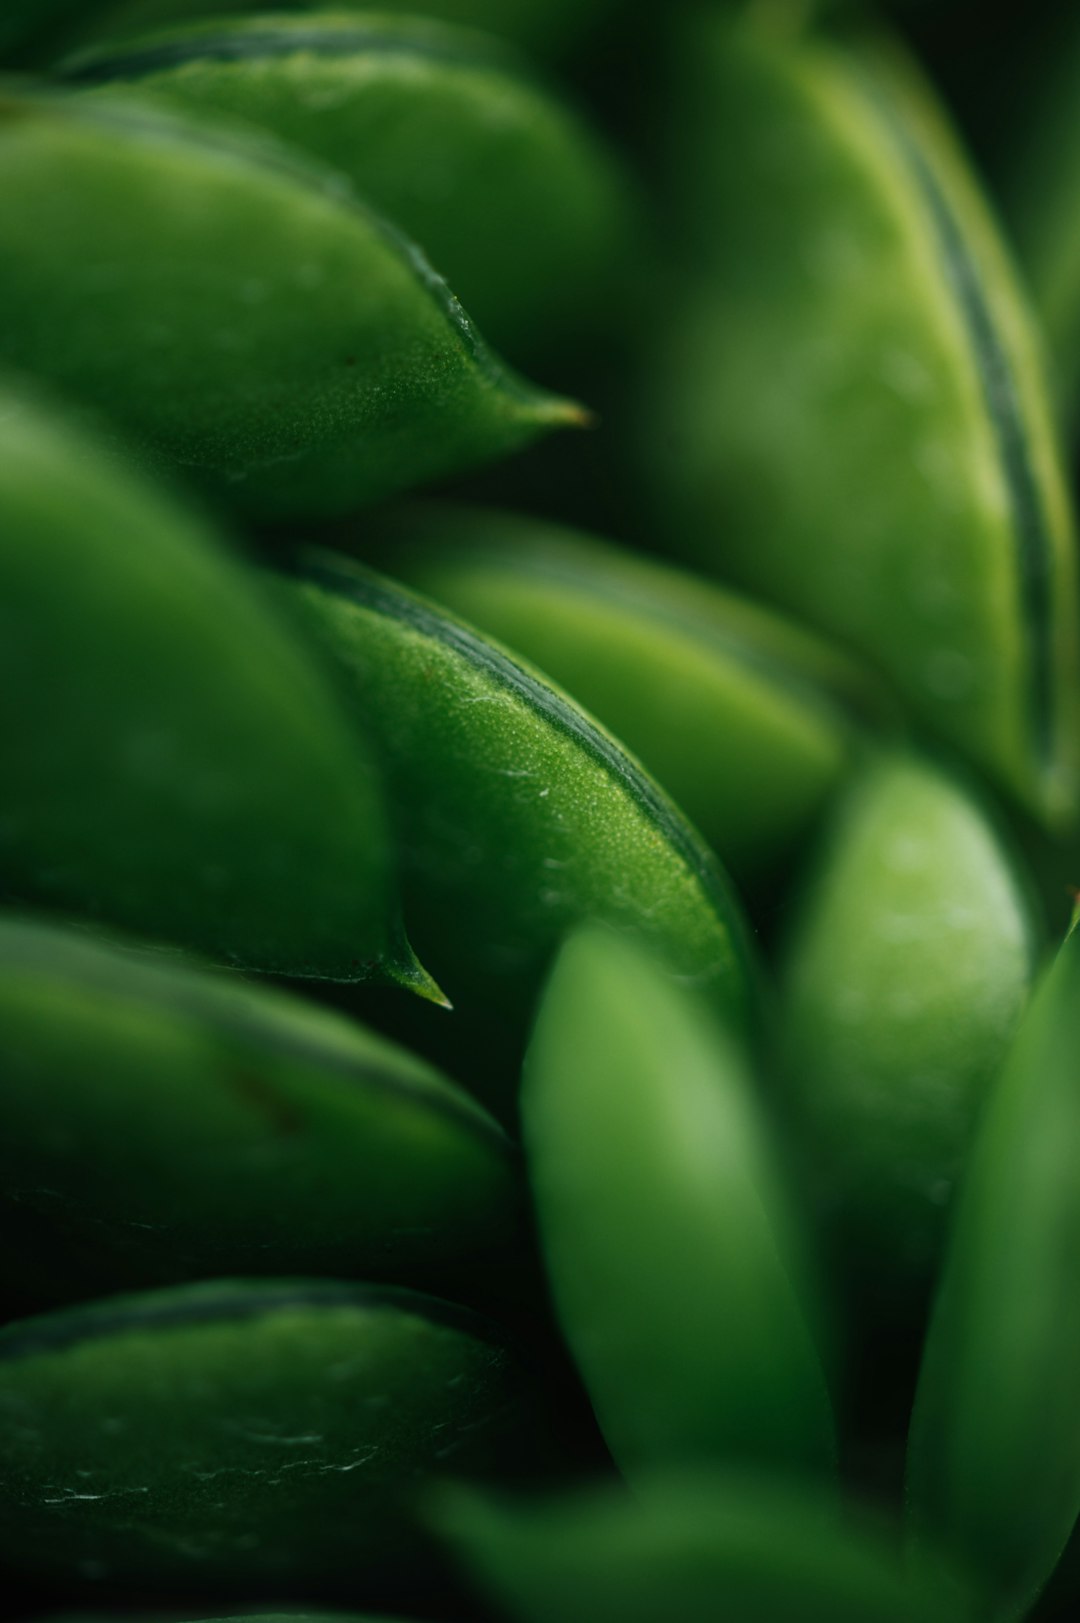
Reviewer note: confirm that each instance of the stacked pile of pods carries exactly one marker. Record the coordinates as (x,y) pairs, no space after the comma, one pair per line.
(540,1029)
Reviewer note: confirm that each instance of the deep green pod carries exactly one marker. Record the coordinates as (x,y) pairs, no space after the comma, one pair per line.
(507,192)
(664,1226)
(237,311)
(994,1452)
(747,721)
(174,760)
(211,1127)
(693,1548)
(242,1436)
(850,415)
(517,817)
(906,971)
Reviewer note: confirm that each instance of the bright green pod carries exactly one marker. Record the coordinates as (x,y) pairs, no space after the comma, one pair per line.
(549,27)
(235,1436)
(694,1548)
(237,311)
(908,964)
(994,1451)
(850,416)
(748,722)
(175,761)
(212,1127)
(506,190)
(664,1226)
(516,816)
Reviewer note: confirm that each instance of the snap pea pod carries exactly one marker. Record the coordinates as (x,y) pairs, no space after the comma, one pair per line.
(851,416)
(662,1217)
(237,311)
(748,722)
(994,1451)
(174,760)
(241,1435)
(907,968)
(517,817)
(211,1127)
(515,200)
(693,1547)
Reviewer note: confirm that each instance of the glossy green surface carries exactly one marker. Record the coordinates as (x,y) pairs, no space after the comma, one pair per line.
(664,1223)
(262,1437)
(507,192)
(748,722)
(994,1453)
(237,310)
(694,1548)
(158,1122)
(849,415)
(174,759)
(516,816)
(907,968)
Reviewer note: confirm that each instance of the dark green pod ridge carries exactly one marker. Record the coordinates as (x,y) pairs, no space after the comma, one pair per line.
(212,1127)
(517,817)
(693,1547)
(507,191)
(645,1141)
(749,722)
(994,1451)
(175,761)
(237,311)
(906,971)
(241,1436)
(850,415)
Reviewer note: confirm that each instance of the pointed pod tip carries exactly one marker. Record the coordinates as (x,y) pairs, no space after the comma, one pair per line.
(409,973)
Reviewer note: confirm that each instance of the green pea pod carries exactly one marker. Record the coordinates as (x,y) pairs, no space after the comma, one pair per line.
(994,1451)
(908,965)
(237,311)
(517,817)
(174,760)
(237,1435)
(212,1127)
(747,721)
(695,1548)
(508,193)
(664,1226)
(549,27)
(850,416)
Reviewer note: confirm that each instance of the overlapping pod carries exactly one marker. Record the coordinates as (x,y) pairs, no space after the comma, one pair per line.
(212,1127)
(664,1225)
(994,1451)
(237,311)
(748,722)
(907,969)
(517,817)
(174,759)
(233,1437)
(851,414)
(507,192)
(693,1547)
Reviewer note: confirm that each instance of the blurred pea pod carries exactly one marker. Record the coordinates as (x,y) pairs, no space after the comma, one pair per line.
(174,759)
(237,1436)
(994,1452)
(669,1245)
(237,310)
(693,1547)
(549,27)
(850,414)
(909,961)
(210,1127)
(516,816)
(510,194)
(748,722)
